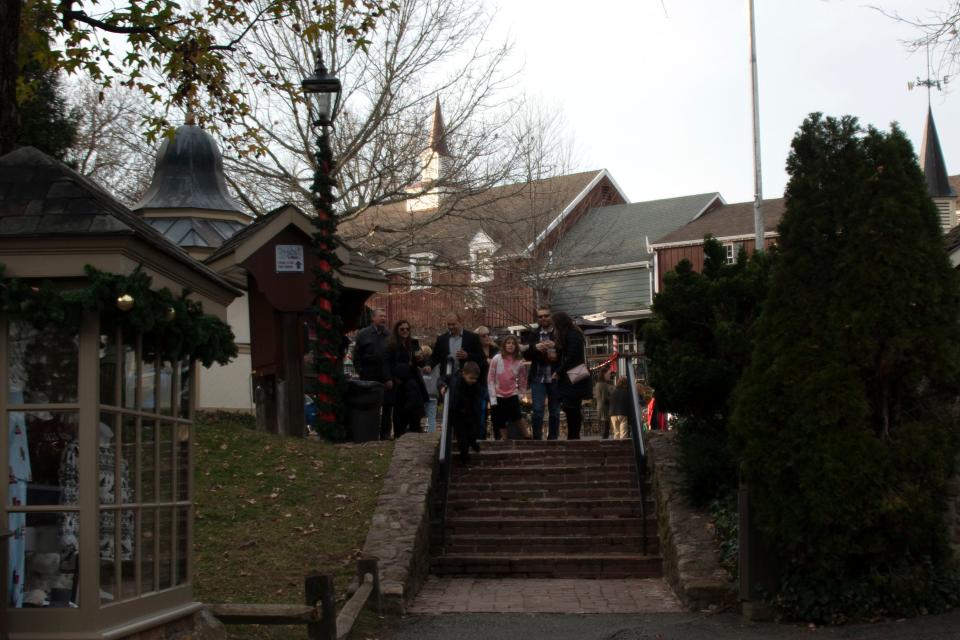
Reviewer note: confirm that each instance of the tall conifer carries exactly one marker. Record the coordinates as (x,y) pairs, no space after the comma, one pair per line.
(845,418)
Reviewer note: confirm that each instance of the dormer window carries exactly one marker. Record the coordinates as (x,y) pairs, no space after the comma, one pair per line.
(481,269)
(482,248)
(421,270)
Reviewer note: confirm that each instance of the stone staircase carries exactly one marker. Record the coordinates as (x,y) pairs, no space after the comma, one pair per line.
(548,509)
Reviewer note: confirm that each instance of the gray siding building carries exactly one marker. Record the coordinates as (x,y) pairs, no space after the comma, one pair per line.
(603,267)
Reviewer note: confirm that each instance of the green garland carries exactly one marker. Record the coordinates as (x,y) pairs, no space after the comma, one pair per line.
(177,325)
(330,381)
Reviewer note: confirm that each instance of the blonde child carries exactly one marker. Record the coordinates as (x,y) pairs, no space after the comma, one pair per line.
(620,408)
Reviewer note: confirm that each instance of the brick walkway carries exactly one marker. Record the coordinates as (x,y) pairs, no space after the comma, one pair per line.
(512,595)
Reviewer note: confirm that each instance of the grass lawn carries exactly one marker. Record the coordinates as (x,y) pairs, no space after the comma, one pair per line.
(270,510)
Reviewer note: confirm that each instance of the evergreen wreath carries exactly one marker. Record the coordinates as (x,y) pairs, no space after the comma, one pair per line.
(177,325)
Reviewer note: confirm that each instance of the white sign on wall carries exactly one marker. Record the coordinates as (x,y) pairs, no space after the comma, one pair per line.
(289,258)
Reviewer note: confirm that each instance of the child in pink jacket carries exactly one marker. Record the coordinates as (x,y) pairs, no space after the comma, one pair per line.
(507,381)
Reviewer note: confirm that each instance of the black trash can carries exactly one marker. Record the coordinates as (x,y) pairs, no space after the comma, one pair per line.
(364,401)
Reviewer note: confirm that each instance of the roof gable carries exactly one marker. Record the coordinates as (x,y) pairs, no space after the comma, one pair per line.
(513,216)
(725,221)
(248,240)
(621,234)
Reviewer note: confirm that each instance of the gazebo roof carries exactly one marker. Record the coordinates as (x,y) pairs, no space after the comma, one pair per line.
(40,197)
(189,175)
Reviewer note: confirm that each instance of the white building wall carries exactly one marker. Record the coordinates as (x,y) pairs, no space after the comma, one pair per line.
(230,388)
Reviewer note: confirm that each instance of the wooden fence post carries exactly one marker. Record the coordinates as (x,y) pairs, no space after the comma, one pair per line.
(318,589)
(371,566)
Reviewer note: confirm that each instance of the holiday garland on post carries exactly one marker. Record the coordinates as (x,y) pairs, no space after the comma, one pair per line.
(326,287)
(176,324)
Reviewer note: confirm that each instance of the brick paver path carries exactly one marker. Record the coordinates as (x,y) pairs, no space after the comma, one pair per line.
(514,595)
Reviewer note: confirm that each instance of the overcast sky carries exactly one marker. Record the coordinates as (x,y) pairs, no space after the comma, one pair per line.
(659,92)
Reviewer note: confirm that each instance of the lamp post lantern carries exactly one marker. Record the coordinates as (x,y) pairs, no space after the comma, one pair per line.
(323,93)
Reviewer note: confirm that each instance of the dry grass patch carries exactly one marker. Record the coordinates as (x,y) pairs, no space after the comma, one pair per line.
(270,509)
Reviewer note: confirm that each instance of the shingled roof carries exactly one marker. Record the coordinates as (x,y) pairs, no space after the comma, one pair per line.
(727,221)
(357,265)
(513,216)
(620,234)
(41,196)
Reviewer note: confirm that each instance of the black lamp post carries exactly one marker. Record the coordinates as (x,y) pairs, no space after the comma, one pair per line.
(323,94)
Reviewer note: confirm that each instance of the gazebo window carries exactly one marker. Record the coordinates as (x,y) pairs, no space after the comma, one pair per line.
(42,446)
(139,510)
(144,458)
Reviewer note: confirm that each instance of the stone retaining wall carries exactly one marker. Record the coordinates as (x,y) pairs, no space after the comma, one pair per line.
(691,560)
(399,535)
(199,626)
(953,514)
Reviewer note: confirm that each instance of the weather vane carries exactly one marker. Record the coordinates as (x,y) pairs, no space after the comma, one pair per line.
(929,83)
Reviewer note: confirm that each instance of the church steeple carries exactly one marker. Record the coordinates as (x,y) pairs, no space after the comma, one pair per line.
(932,163)
(436,161)
(438,134)
(935,170)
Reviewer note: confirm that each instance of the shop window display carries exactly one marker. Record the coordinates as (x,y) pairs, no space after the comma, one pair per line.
(41,448)
(148,444)
(142,460)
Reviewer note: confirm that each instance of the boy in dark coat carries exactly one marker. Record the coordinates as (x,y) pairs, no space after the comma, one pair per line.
(464,396)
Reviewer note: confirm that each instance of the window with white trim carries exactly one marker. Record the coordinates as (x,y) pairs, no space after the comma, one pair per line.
(598,345)
(481,268)
(731,252)
(421,270)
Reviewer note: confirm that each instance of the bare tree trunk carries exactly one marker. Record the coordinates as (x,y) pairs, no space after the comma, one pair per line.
(9,70)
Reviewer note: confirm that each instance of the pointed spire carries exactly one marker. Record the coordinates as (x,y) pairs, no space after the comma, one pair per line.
(931,161)
(438,134)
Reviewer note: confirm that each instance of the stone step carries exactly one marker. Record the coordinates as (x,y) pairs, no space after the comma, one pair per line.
(524,491)
(537,512)
(457,524)
(610,447)
(613,565)
(520,544)
(492,452)
(627,503)
(540,484)
(556,471)
(481,462)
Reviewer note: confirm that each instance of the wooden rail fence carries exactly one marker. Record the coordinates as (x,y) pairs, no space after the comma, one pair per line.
(319,609)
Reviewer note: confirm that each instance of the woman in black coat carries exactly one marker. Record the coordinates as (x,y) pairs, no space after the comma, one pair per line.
(571,352)
(410,393)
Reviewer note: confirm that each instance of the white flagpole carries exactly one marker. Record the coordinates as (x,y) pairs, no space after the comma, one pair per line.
(757,180)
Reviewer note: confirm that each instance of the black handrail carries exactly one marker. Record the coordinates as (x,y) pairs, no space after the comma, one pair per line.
(639,449)
(445,455)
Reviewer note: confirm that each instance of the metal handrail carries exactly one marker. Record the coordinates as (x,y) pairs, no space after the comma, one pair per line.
(639,449)
(446,450)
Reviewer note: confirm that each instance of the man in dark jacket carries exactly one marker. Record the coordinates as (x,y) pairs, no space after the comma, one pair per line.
(538,345)
(370,362)
(463,345)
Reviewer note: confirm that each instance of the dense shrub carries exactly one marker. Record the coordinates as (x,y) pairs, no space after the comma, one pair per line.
(845,417)
(699,341)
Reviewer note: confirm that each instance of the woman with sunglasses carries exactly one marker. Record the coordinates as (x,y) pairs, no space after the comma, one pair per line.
(410,393)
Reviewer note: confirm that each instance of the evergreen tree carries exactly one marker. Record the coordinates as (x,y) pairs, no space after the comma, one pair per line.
(46,121)
(699,342)
(845,417)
